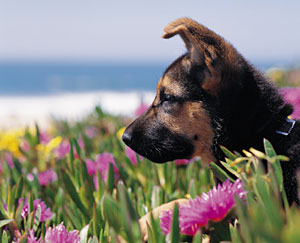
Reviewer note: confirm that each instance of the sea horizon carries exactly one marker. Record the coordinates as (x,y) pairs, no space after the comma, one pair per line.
(32,77)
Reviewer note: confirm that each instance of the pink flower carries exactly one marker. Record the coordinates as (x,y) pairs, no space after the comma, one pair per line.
(46,213)
(25,146)
(32,239)
(90,132)
(63,149)
(132,155)
(91,167)
(292,96)
(141,109)
(166,221)
(9,159)
(220,200)
(182,162)
(190,223)
(102,165)
(59,234)
(103,160)
(213,206)
(30,177)
(80,142)
(1,170)
(47,177)
(44,137)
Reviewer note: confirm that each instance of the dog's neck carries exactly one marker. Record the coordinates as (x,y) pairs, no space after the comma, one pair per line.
(250,109)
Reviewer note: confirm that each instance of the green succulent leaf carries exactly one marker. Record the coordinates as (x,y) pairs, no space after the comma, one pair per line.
(5,222)
(175,225)
(274,163)
(37,218)
(69,186)
(84,234)
(220,173)
(228,153)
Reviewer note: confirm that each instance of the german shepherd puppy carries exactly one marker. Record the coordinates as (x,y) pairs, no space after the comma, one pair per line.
(212,96)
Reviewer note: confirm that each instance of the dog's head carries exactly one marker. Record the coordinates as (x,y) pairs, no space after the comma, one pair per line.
(178,124)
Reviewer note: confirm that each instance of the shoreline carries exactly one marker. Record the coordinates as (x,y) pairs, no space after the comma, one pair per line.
(20,111)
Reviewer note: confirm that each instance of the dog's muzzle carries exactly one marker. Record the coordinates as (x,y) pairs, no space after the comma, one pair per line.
(127,137)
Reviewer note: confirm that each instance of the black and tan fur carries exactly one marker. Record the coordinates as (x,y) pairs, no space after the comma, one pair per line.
(212,96)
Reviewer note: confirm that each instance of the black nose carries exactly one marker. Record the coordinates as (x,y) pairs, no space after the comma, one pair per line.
(127,137)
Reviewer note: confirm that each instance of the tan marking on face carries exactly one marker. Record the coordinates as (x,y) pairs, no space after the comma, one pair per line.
(156,100)
(191,119)
(171,87)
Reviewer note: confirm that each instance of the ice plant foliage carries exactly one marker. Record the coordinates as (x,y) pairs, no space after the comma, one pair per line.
(213,206)
(102,165)
(27,169)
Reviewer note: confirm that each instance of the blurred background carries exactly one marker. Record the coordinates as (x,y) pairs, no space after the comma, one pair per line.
(61,58)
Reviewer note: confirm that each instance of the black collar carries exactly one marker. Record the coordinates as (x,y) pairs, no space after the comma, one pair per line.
(286,127)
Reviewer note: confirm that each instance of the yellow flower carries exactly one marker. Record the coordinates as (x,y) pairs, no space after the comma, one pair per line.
(46,149)
(120,132)
(10,140)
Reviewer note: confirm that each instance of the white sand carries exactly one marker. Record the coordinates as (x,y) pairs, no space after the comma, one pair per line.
(16,111)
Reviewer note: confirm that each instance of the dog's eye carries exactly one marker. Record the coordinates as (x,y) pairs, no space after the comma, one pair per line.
(167,98)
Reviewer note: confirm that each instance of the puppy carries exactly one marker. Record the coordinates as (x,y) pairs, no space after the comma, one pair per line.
(212,96)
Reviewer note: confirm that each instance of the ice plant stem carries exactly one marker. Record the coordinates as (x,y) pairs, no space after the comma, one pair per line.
(220,232)
(13,228)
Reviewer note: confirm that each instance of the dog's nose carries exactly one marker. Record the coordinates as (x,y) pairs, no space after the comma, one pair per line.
(127,137)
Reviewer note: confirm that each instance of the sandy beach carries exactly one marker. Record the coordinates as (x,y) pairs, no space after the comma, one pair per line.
(20,111)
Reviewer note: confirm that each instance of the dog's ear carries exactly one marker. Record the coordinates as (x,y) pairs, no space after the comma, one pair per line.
(204,47)
(181,27)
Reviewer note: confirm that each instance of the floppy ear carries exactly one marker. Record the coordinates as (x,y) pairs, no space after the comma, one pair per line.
(204,46)
(195,50)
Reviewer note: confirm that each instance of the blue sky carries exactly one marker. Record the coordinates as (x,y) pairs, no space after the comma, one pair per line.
(131,30)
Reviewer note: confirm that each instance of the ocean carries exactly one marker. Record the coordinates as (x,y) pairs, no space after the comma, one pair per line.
(51,78)
(37,91)
(42,78)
